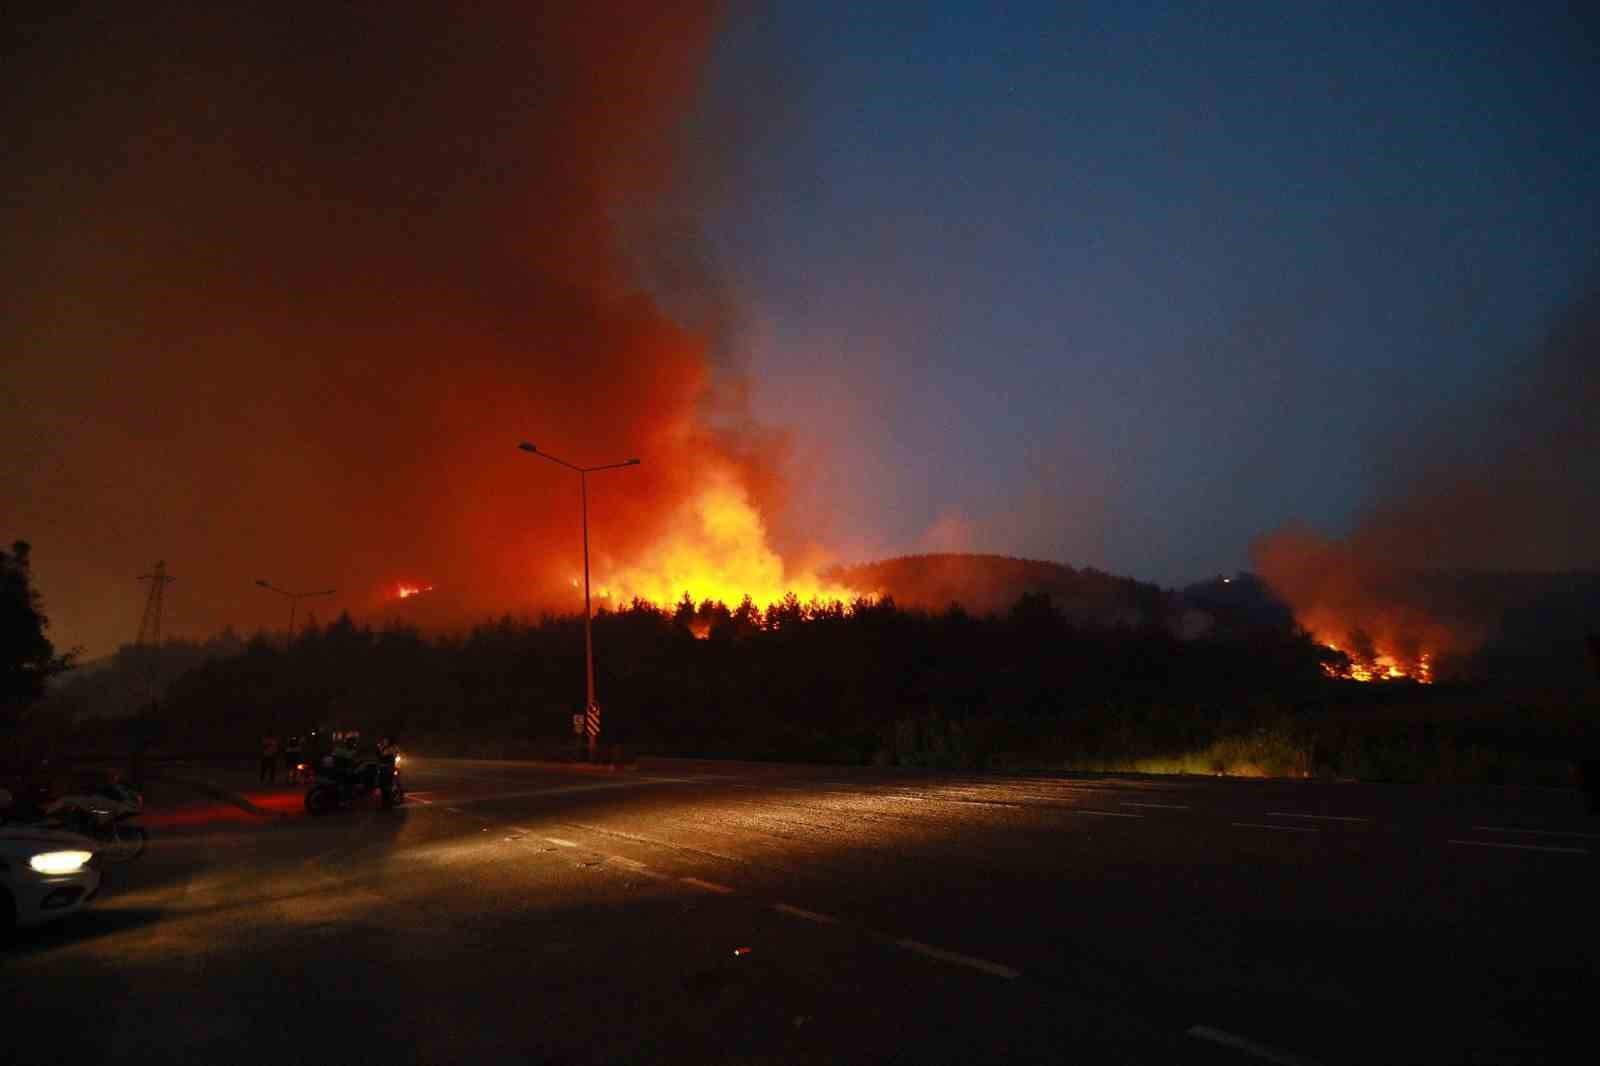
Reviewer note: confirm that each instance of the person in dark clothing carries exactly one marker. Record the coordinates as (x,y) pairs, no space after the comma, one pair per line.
(269,757)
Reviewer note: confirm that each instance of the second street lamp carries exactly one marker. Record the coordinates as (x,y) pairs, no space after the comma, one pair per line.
(294,600)
(591,708)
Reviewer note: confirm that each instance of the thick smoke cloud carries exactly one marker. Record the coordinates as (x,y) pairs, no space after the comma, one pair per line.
(1508,482)
(288,282)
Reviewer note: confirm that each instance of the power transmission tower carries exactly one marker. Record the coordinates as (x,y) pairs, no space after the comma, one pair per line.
(150,627)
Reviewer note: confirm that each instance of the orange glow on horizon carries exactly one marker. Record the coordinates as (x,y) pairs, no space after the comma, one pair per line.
(405,592)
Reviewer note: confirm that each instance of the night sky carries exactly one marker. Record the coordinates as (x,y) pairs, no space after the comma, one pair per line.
(1124,285)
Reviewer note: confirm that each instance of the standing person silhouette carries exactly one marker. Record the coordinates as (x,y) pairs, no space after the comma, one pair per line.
(269,757)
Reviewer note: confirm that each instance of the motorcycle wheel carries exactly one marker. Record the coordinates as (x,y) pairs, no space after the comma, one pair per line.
(124,843)
(320,800)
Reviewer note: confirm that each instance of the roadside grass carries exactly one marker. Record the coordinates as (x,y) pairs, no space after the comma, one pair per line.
(1524,744)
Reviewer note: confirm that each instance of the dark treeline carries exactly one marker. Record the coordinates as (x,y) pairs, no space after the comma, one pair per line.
(1024,688)
(859,683)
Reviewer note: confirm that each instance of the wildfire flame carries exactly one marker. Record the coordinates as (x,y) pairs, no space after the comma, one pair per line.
(405,592)
(715,548)
(1354,600)
(1378,665)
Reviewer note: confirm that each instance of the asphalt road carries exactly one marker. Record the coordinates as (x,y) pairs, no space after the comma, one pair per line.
(725,913)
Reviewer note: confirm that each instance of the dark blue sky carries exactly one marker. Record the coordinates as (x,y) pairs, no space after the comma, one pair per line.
(1128,285)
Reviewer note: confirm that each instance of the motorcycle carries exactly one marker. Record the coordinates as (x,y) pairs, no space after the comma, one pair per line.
(339,786)
(107,815)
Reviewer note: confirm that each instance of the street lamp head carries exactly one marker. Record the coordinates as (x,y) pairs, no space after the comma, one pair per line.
(633,462)
(263,582)
(525,446)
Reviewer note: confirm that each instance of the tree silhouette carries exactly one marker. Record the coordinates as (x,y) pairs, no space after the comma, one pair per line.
(27,658)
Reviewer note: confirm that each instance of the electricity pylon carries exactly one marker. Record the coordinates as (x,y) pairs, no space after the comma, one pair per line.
(147,649)
(150,627)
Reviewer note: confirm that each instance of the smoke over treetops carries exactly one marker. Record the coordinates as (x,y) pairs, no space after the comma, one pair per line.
(1510,483)
(288,282)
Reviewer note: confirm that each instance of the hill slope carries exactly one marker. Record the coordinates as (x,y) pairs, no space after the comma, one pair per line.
(992,583)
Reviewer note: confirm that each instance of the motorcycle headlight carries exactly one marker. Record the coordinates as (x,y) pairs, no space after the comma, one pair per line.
(59,862)
(398,760)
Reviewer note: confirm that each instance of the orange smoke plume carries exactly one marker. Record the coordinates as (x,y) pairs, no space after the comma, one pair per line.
(1357,604)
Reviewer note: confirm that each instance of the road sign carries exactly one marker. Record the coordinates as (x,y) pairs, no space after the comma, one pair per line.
(577,725)
(592,722)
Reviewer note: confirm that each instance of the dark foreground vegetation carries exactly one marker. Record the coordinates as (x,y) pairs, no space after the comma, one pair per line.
(1027,688)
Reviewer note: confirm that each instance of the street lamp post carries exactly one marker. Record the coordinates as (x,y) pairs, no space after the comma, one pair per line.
(294,600)
(591,708)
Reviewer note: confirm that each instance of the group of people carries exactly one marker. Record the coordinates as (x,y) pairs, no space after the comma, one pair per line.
(343,748)
(291,750)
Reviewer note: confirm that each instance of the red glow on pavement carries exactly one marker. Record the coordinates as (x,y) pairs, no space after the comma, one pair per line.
(220,815)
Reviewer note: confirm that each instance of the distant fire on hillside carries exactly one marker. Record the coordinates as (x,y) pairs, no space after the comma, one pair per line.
(714,546)
(1360,608)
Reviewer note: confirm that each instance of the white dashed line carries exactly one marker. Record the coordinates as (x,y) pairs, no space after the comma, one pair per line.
(558,842)
(1318,817)
(1249,1047)
(1521,847)
(455,810)
(709,886)
(801,912)
(1158,806)
(622,860)
(1536,832)
(1100,814)
(1279,828)
(959,959)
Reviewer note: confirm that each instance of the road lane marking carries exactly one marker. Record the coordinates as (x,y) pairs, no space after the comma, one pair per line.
(622,860)
(1099,814)
(801,912)
(1521,847)
(1318,817)
(1279,828)
(1536,832)
(1158,806)
(455,810)
(959,959)
(709,886)
(1249,1047)
(558,842)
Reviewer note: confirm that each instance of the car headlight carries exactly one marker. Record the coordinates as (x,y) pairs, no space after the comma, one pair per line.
(59,862)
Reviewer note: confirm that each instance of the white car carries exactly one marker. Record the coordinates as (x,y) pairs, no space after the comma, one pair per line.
(45,874)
